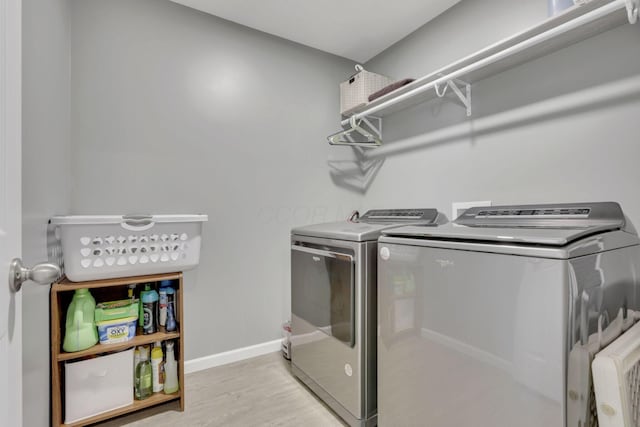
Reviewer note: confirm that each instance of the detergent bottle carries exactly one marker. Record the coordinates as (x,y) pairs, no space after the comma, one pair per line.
(146,288)
(80,327)
(149,300)
(165,292)
(157,368)
(171,310)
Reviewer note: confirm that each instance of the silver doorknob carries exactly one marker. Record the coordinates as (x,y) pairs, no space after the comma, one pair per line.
(43,274)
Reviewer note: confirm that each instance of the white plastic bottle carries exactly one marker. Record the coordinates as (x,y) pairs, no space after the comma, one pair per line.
(157,368)
(162,318)
(171,371)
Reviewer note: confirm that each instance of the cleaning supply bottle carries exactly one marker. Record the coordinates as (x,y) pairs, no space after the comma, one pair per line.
(170,371)
(171,314)
(165,283)
(157,368)
(149,302)
(162,308)
(143,376)
(140,309)
(163,291)
(145,289)
(80,327)
(136,360)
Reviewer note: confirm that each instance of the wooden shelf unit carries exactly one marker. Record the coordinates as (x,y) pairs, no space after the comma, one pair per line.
(107,290)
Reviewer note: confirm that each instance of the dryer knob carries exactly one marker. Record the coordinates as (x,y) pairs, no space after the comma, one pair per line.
(385,253)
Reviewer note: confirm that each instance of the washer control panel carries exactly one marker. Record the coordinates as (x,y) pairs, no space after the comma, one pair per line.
(534,213)
(563,215)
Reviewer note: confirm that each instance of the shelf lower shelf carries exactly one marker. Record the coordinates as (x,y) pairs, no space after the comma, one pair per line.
(154,399)
(107,348)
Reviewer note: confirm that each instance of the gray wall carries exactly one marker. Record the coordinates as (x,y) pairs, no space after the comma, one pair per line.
(589,154)
(45,178)
(178,111)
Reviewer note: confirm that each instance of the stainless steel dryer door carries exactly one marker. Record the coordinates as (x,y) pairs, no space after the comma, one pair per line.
(324,292)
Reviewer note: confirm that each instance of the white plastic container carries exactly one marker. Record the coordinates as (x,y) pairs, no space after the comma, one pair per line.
(117,330)
(107,246)
(98,385)
(616,380)
(355,92)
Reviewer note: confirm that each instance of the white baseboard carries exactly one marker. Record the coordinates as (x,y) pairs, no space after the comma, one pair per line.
(206,362)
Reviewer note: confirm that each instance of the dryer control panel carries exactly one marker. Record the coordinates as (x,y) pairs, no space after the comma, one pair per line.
(425,216)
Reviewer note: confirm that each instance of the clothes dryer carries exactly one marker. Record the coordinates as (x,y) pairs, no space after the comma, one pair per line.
(333,308)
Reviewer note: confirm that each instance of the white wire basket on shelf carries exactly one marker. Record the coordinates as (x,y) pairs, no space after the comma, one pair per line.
(107,246)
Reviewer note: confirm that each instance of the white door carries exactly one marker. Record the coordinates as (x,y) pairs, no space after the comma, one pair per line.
(10,211)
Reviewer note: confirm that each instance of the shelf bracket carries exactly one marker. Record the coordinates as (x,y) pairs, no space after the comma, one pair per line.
(362,132)
(632,10)
(454,84)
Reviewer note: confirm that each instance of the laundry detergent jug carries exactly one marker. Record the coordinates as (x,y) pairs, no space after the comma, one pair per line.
(80,328)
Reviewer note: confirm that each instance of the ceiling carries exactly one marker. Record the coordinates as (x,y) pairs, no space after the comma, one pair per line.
(354,29)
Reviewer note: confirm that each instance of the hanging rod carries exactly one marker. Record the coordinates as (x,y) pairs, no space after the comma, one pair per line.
(548,109)
(630,6)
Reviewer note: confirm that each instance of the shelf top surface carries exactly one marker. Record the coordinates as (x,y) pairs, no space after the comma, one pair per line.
(65,284)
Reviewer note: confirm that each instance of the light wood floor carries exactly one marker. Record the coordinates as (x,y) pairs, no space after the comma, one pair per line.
(254,392)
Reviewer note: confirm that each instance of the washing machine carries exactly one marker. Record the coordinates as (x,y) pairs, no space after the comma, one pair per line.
(333,308)
(493,320)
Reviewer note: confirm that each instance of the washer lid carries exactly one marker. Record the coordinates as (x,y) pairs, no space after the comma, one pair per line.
(550,225)
(537,236)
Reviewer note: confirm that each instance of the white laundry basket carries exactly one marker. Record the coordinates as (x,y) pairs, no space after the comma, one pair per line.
(107,246)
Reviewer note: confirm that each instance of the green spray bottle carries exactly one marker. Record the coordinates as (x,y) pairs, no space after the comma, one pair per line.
(143,384)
